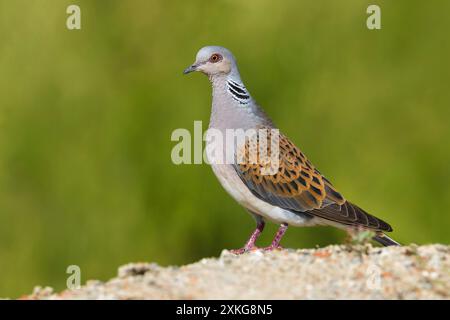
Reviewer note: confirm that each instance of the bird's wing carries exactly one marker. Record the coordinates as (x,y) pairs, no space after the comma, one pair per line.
(298,186)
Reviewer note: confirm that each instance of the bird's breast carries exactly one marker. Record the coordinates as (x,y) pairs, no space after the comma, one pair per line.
(231,182)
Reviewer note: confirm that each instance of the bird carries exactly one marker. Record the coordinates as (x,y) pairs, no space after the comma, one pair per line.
(295,193)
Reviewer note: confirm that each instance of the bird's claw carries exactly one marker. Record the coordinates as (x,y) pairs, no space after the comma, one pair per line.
(243,250)
(272,247)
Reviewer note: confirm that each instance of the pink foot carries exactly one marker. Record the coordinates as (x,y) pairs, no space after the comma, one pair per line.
(276,241)
(271,248)
(243,250)
(250,245)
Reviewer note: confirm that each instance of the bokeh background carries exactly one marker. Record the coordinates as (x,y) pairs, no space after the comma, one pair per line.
(86,117)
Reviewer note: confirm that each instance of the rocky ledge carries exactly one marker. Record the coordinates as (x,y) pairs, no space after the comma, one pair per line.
(333,272)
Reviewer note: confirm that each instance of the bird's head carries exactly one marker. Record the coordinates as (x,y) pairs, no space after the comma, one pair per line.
(213,60)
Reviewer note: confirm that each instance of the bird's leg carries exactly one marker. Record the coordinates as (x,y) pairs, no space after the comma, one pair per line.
(276,241)
(250,245)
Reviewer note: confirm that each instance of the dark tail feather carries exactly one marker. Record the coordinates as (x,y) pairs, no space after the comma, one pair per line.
(385,240)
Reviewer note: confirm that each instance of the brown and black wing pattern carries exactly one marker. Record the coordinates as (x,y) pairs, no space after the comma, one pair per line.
(351,215)
(299,187)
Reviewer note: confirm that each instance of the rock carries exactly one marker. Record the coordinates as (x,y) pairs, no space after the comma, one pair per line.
(333,272)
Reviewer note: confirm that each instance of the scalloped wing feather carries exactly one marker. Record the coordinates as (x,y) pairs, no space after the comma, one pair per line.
(298,186)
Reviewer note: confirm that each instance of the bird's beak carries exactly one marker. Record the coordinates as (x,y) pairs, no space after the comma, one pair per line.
(190,69)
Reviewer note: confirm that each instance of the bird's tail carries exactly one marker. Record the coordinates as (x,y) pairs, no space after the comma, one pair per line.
(385,240)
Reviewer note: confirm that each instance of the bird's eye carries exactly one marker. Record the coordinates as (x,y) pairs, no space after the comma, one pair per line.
(215,58)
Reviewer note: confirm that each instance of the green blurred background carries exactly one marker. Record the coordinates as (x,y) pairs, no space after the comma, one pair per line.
(86,118)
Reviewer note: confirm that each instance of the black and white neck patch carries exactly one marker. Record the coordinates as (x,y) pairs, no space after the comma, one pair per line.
(238,92)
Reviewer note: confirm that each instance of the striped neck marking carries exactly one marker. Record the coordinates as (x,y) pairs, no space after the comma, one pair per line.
(238,92)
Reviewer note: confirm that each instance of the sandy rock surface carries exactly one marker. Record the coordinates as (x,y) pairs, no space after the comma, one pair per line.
(333,272)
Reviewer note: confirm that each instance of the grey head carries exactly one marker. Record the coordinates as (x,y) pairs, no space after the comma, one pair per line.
(214,61)
(219,64)
(231,100)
